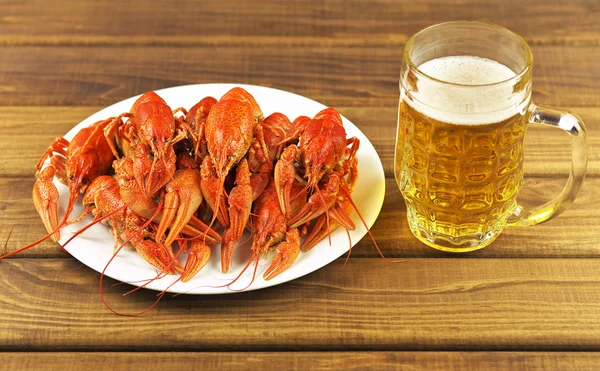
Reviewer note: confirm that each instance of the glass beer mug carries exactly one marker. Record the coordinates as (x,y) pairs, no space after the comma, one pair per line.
(465,104)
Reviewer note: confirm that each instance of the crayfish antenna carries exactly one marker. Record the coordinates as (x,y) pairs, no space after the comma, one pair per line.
(31,244)
(302,191)
(163,292)
(96,220)
(349,249)
(160,296)
(365,224)
(7,238)
(217,207)
(253,275)
(93,222)
(104,299)
(256,254)
(72,198)
(326,214)
(159,276)
(165,166)
(253,259)
(149,179)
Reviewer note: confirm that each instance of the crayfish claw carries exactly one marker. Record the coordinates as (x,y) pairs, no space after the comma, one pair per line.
(45,198)
(240,205)
(183,198)
(158,255)
(286,255)
(198,256)
(227,249)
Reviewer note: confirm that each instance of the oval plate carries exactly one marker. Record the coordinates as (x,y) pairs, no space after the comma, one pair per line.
(94,247)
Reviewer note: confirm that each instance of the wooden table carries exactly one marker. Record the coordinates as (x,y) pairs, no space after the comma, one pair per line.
(531,300)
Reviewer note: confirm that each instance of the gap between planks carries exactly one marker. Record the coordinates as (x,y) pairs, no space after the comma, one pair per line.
(233,41)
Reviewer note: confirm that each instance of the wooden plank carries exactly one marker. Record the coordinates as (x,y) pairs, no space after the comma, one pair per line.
(529,361)
(572,234)
(355,76)
(419,304)
(383,23)
(27,132)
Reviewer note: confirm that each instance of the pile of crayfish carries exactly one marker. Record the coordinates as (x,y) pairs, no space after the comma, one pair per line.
(167,181)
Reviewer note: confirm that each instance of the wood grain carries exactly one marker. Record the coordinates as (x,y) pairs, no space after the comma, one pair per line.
(572,234)
(354,76)
(528,361)
(383,23)
(419,304)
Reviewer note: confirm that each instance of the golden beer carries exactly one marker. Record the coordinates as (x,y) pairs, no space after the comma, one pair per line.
(465,104)
(460,182)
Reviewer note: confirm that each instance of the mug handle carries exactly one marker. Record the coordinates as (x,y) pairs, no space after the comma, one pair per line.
(573,125)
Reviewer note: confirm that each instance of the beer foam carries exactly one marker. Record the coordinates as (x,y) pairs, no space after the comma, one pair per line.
(467,103)
(466,70)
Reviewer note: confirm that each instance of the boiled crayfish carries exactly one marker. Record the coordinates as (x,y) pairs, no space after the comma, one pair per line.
(159,179)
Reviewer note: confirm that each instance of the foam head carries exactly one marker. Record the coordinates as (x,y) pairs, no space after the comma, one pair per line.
(476,100)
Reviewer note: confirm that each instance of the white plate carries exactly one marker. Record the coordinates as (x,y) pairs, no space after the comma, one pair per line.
(94,247)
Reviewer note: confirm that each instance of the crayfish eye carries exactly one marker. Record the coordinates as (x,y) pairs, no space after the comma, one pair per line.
(84,181)
(154,140)
(309,164)
(166,140)
(71,177)
(323,168)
